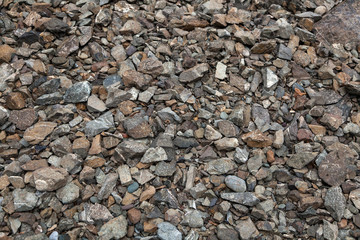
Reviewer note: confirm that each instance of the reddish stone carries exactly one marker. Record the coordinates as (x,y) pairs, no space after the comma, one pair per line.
(134,215)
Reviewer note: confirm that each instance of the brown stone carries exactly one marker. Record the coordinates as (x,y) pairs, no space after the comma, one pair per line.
(134,78)
(256,139)
(264,47)
(15,101)
(304,135)
(151,225)
(23,118)
(4,182)
(34,164)
(50,178)
(6,53)
(337,165)
(95,162)
(151,66)
(39,132)
(147,194)
(126,107)
(96,145)
(142,130)
(134,215)
(128,199)
(81,146)
(317,129)
(301,58)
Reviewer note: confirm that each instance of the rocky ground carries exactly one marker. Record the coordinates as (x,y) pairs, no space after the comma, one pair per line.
(204,119)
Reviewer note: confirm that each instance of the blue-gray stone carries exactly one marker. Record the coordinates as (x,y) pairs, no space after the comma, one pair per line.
(133,187)
(112,80)
(79,92)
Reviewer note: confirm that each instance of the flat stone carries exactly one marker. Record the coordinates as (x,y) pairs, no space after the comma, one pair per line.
(241,155)
(6,53)
(220,71)
(15,101)
(270,78)
(94,104)
(102,123)
(56,25)
(245,198)
(23,118)
(256,139)
(151,66)
(108,186)
(39,132)
(95,212)
(247,229)
(300,160)
(226,144)
(137,127)
(220,166)
(194,73)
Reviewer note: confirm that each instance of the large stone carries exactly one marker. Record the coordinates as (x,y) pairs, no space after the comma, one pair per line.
(39,132)
(194,73)
(69,193)
(24,200)
(56,25)
(137,127)
(116,228)
(157,154)
(6,53)
(337,26)
(167,231)
(335,202)
(79,92)
(220,166)
(256,139)
(23,118)
(337,165)
(151,66)
(300,160)
(247,229)
(50,178)
(102,123)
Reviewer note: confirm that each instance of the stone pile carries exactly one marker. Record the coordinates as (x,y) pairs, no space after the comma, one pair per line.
(179,119)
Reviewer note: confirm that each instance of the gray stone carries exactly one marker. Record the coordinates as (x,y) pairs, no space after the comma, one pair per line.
(79,92)
(56,25)
(168,114)
(108,186)
(194,73)
(167,231)
(95,212)
(102,123)
(220,72)
(198,190)
(335,202)
(48,99)
(300,160)
(157,154)
(247,229)
(256,161)
(116,96)
(235,183)
(211,133)
(352,128)
(220,166)
(72,163)
(164,169)
(237,115)
(331,231)
(241,155)
(114,229)
(245,198)
(69,193)
(4,115)
(284,52)
(226,144)
(24,200)
(193,219)
(269,77)
(113,82)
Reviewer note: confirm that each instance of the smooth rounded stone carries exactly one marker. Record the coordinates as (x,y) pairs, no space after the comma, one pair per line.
(335,202)
(133,187)
(116,228)
(68,194)
(157,154)
(235,183)
(54,235)
(167,231)
(220,166)
(78,92)
(49,178)
(24,200)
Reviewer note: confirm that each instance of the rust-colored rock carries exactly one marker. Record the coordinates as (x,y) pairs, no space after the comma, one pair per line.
(39,132)
(15,101)
(256,139)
